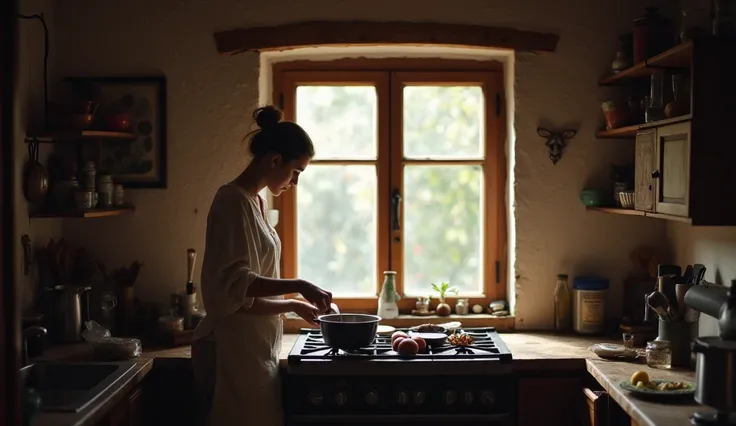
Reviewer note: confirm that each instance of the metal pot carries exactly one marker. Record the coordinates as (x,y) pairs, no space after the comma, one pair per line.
(715,387)
(66,312)
(348,331)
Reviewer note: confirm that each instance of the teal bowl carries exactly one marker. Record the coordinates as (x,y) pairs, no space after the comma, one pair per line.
(592,197)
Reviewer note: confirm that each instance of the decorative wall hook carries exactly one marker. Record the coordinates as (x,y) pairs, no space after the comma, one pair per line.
(556,141)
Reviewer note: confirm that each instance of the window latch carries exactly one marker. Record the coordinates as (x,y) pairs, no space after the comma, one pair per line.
(396,203)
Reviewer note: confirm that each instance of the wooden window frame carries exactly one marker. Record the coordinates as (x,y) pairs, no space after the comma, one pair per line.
(286,76)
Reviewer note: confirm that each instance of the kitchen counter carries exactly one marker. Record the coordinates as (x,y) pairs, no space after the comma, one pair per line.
(104,402)
(532,352)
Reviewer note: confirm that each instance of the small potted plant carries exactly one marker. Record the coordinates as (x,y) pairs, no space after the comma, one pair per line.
(443,309)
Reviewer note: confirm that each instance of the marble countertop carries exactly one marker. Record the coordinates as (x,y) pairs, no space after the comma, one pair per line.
(532,352)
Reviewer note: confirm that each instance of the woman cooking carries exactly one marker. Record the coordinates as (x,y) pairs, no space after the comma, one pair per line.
(235,354)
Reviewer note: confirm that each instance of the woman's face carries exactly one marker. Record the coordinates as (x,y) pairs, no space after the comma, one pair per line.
(285,174)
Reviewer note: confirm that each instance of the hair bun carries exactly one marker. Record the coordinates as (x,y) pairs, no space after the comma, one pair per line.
(267,116)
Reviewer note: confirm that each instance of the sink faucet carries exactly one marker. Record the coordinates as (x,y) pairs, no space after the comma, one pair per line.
(34,330)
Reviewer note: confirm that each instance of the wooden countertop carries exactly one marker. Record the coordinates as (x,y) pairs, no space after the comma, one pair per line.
(533,352)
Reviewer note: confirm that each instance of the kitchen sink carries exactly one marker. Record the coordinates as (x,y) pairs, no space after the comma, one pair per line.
(71,387)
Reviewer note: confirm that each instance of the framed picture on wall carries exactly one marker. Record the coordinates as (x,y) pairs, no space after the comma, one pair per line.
(135,105)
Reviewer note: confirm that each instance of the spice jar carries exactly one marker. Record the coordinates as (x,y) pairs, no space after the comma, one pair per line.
(89,173)
(461,307)
(105,189)
(659,354)
(118,195)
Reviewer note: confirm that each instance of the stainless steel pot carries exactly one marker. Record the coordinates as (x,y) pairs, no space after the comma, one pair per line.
(348,331)
(715,364)
(66,312)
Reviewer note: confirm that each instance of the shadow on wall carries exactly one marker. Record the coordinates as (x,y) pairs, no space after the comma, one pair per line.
(714,247)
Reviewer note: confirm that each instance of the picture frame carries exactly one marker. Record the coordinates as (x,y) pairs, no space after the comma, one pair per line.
(139,162)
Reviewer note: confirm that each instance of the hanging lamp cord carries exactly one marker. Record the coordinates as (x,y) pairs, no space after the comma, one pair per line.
(45,62)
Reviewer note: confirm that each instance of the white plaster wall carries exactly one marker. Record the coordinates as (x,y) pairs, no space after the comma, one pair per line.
(29,114)
(211,97)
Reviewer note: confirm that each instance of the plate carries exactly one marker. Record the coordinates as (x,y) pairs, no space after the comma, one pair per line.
(385,329)
(688,390)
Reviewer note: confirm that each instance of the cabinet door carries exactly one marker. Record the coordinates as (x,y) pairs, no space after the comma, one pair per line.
(550,401)
(673,169)
(646,141)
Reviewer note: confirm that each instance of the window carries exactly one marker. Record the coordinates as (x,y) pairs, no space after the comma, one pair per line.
(408,176)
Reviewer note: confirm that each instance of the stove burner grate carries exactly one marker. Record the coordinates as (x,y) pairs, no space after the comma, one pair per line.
(487,345)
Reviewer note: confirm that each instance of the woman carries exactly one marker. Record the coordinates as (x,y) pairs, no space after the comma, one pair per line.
(235,354)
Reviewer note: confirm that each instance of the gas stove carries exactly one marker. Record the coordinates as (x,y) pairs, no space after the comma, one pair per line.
(469,384)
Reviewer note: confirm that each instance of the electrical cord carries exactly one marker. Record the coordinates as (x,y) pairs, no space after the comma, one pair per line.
(45,61)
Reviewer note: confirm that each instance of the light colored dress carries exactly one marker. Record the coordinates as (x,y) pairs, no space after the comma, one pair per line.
(240,246)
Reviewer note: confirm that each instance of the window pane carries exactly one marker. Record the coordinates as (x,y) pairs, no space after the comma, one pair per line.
(443,228)
(443,122)
(336,228)
(341,120)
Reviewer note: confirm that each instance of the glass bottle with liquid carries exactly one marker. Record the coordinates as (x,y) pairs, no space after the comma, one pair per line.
(387,306)
(562,300)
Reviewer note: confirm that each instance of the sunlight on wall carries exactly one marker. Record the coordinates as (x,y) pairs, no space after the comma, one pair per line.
(506,57)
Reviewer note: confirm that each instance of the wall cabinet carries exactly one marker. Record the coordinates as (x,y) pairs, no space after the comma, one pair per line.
(684,165)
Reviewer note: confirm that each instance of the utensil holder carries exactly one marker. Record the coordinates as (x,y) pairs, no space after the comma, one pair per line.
(680,334)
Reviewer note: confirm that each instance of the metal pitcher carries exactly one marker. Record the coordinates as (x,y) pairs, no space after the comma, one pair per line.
(66,312)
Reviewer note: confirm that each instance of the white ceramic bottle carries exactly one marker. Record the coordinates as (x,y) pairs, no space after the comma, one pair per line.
(387,306)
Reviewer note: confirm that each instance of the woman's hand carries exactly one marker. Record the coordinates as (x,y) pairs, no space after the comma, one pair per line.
(318,297)
(305,310)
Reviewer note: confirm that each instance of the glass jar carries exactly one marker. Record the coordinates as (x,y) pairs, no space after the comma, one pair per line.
(105,189)
(118,195)
(461,307)
(659,354)
(89,173)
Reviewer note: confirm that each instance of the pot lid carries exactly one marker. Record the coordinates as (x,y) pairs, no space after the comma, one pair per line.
(715,342)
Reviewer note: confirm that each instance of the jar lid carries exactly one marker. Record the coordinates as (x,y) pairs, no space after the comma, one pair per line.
(590,283)
(561,276)
(659,344)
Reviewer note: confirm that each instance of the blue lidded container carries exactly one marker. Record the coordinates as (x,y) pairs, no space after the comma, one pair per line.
(589,304)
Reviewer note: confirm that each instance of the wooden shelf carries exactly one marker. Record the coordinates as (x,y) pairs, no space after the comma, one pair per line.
(630,131)
(616,210)
(631,212)
(51,137)
(679,56)
(86,214)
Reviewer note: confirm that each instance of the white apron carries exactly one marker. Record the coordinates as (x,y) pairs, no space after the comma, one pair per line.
(247,387)
(247,384)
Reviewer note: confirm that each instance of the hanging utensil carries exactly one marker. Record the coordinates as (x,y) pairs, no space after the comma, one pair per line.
(36,182)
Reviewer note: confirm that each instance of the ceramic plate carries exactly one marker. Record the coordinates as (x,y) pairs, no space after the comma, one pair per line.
(689,389)
(385,329)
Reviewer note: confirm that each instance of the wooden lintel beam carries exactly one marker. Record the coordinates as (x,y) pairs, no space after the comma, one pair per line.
(347,33)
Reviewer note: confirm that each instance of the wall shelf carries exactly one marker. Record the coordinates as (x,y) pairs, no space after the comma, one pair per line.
(84,135)
(631,212)
(630,131)
(680,56)
(85,214)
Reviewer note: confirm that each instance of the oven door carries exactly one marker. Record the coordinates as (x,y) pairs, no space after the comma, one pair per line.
(403,420)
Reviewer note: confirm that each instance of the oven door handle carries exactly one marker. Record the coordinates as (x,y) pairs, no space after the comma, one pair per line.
(409,419)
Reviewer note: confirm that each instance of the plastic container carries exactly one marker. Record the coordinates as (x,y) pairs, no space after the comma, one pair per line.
(589,304)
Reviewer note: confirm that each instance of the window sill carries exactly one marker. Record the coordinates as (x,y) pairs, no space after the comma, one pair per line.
(294,325)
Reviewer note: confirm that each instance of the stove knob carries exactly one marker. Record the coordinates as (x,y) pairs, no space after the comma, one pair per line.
(402,398)
(315,398)
(341,398)
(487,398)
(419,397)
(468,397)
(371,398)
(450,397)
